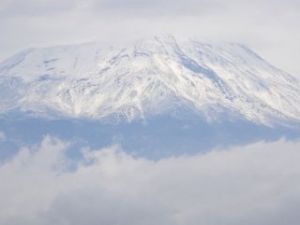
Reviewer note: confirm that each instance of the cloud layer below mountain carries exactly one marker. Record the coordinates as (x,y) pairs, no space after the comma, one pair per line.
(255,184)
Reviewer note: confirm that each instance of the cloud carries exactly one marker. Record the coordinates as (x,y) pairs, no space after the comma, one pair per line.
(12,8)
(255,184)
(170,7)
(159,8)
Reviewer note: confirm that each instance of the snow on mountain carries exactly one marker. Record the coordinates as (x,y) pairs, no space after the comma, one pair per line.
(156,76)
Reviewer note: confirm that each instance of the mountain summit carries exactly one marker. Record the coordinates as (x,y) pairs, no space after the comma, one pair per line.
(155,97)
(156,76)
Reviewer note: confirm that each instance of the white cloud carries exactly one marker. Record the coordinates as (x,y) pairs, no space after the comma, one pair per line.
(256,184)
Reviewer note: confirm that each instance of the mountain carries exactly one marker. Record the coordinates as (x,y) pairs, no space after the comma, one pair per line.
(149,77)
(156,79)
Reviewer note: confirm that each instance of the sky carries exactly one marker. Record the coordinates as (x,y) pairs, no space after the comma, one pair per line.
(269,27)
(248,185)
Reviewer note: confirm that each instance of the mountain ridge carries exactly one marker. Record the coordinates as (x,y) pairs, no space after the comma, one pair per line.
(151,77)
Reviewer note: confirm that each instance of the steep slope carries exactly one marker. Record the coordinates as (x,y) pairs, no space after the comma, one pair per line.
(150,77)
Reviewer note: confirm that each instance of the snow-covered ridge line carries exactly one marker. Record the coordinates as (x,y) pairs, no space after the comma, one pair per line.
(147,78)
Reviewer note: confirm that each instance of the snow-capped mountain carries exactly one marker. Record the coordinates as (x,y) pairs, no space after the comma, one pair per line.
(155,97)
(156,76)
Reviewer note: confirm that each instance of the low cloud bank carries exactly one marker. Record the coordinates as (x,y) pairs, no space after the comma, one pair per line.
(255,184)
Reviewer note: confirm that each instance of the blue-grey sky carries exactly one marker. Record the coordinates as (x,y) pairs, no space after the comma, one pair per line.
(270,27)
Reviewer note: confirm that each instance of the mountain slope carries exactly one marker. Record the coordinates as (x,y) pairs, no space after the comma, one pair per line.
(151,77)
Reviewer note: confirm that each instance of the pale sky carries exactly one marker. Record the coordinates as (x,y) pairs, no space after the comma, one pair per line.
(269,27)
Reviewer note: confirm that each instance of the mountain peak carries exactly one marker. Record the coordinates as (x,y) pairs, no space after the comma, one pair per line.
(152,76)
